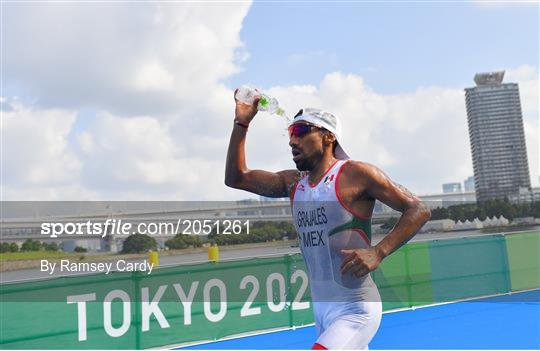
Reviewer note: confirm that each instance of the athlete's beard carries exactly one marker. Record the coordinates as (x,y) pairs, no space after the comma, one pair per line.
(308,163)
(303,166)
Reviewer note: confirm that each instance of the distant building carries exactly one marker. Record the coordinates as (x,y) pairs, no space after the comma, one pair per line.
(526,195)
(432,201)
(449,199)
(247,202)
(468,184)
(451,188)
(265,198)
(497,138)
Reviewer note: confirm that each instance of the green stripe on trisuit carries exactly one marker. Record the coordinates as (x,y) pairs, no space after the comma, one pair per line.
(354,223)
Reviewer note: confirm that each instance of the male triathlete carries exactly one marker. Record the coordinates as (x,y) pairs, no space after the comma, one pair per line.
(332,201)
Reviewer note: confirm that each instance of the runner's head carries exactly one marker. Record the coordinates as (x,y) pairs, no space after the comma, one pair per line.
(312,133)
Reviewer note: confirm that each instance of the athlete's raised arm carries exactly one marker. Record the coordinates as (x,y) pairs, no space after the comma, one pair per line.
(238,175)
(414,213)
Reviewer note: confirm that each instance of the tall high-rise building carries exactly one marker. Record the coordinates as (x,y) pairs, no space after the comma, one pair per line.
(497,138)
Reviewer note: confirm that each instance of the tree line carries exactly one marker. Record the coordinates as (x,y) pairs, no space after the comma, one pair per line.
(258,232)
(34,245)
(490,208)
(263,231)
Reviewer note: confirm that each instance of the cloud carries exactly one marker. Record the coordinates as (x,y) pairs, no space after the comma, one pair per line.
(419,138)
(36,150)
(140,158)
(399,133)
(527,77)
(38,162)
(131,150)
(126,58)
(153,76)
(113,158)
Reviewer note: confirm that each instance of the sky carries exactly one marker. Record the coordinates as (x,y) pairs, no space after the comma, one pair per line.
(134,100)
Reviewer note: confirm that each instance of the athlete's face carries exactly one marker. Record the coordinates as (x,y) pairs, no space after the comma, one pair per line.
(307,145)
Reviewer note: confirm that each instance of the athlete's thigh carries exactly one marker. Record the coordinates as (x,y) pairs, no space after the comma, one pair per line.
(351,331)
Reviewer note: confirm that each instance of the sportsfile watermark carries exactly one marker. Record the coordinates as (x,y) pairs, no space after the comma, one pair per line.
(122,227)
(50,239)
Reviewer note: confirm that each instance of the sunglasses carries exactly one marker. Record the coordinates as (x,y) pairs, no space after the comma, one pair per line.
(300,129)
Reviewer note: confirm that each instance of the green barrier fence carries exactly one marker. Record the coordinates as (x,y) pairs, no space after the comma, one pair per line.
(524,260)
(259,293)
(136,310)
(469,267)
(404,278)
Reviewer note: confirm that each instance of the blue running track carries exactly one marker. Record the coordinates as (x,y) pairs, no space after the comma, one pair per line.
(503,322)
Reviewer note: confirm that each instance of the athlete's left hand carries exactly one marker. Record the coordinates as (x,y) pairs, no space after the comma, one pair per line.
(360,261)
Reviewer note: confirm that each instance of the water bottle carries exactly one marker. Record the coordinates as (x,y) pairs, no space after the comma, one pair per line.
(247,95)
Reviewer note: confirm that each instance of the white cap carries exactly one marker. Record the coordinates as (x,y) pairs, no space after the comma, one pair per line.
(325,120)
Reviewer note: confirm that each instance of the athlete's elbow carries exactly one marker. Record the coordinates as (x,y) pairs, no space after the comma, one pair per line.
(424,213)
(234,180)
(231,182)
(231,177)
(418,211)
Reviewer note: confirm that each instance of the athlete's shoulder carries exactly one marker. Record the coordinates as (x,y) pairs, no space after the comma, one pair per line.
(291,175)
(290,178)
(359,169)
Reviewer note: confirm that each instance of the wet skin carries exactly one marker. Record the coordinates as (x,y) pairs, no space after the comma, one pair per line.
(360,184)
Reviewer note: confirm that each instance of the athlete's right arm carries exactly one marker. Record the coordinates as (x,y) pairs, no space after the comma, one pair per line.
(238,176)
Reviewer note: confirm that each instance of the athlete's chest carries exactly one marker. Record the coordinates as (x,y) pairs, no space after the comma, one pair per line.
(324,190)
(317,209)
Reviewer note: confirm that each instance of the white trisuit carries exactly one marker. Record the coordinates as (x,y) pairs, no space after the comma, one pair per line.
(347,309)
